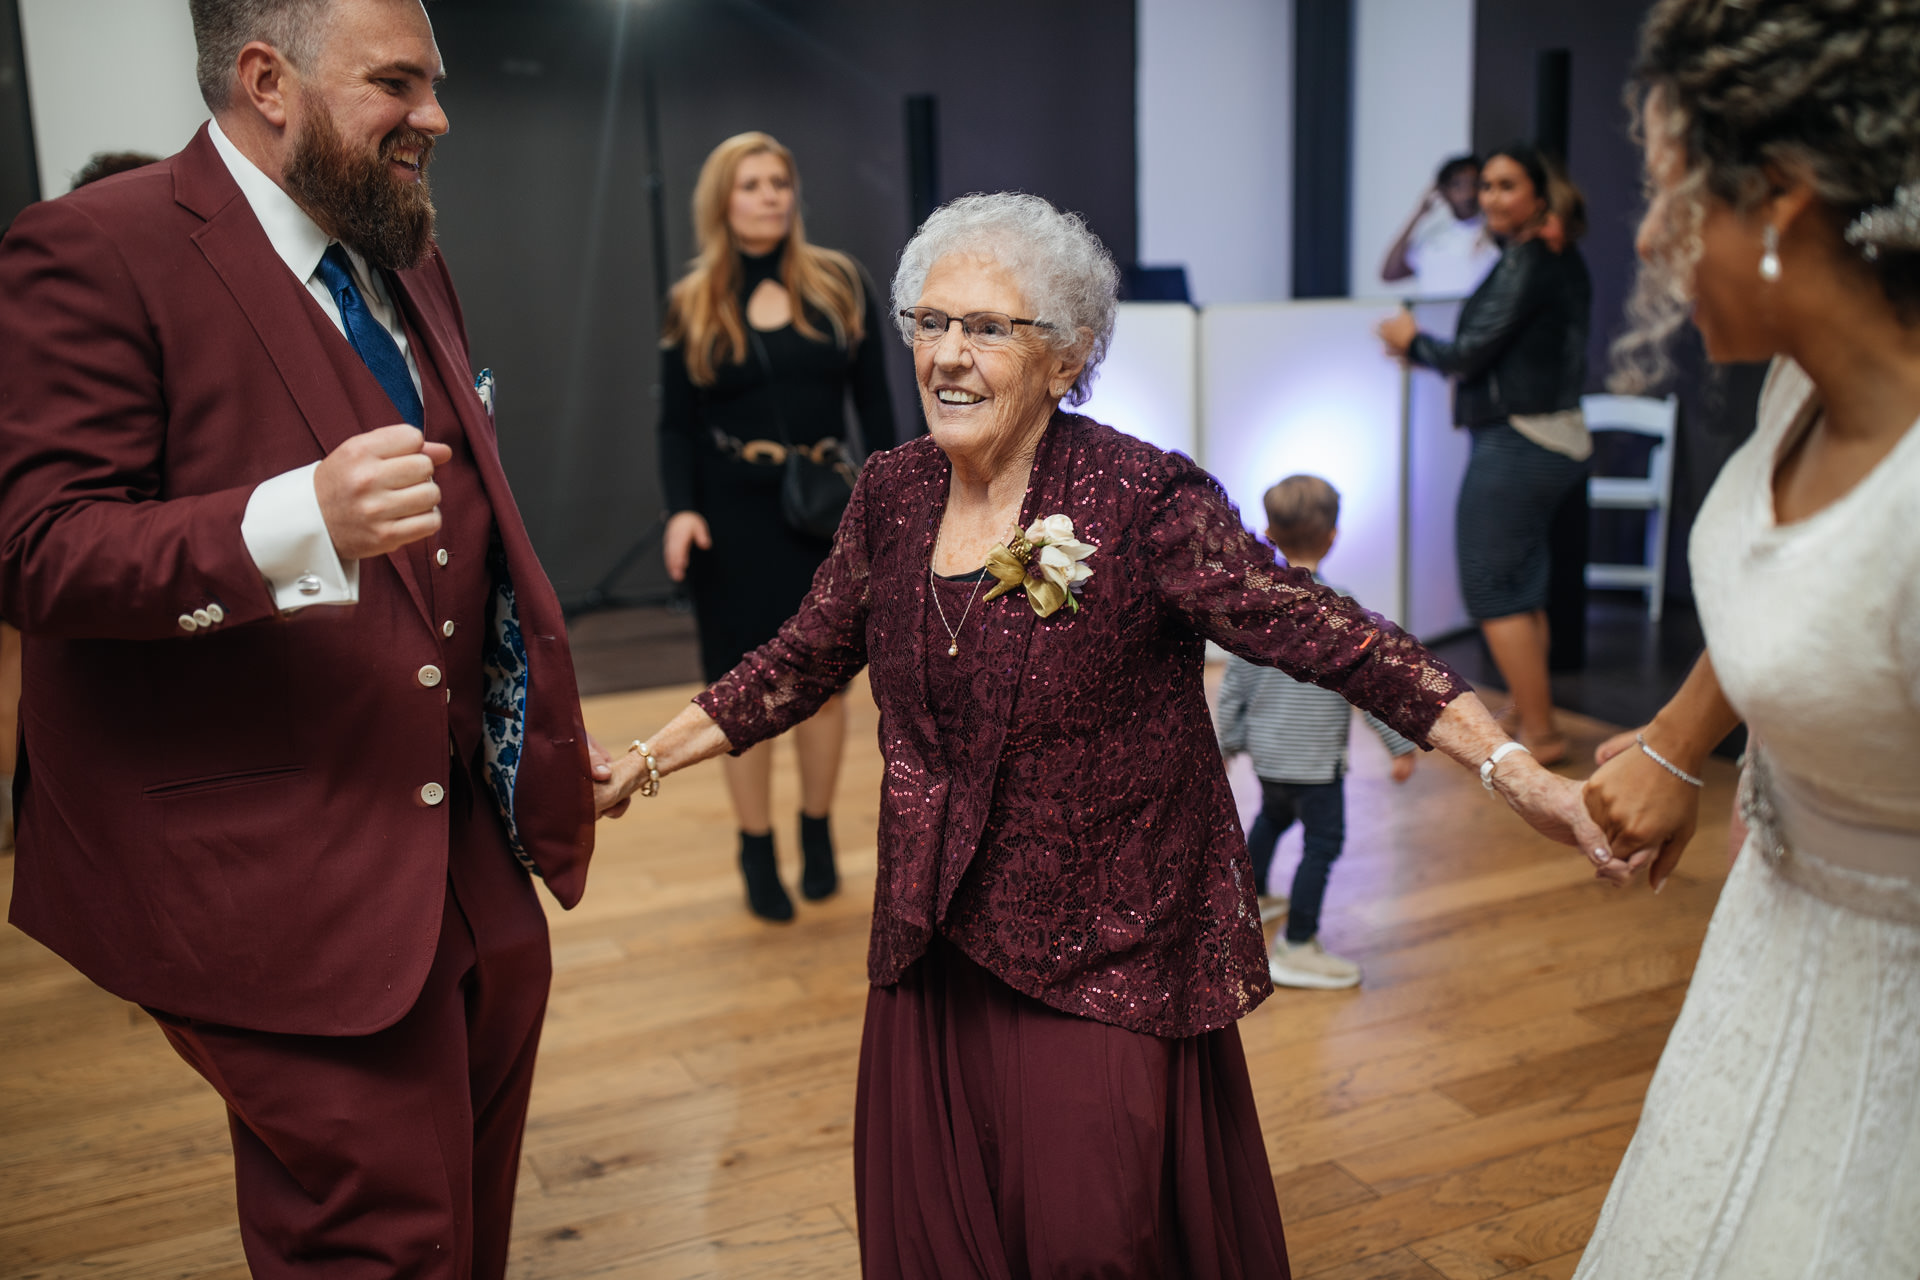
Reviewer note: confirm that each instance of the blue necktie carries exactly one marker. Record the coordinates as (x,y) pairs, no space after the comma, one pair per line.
(369,337)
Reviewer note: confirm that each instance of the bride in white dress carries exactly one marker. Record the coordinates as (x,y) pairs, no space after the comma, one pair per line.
(1781,1133)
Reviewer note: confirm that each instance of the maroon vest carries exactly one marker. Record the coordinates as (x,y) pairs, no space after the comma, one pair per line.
(457,592)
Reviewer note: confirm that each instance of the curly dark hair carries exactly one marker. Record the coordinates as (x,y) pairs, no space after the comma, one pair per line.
(1821,88)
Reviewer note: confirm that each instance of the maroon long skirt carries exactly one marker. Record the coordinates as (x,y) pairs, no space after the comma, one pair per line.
(997,1138)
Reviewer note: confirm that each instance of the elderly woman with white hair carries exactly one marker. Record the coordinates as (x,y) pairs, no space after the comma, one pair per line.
(1064,925)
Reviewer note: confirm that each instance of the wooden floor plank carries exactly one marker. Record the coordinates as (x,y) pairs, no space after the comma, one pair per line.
(1507,1242)
(1628,1053)
(1459,1200)
(1319,1188)
(1437,1152)
(1397,1264)
(1461,1111)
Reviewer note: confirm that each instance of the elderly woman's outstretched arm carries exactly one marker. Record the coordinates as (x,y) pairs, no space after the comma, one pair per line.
(783,682)
(1224,582)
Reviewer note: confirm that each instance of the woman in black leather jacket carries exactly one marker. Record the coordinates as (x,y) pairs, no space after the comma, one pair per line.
(1518,361)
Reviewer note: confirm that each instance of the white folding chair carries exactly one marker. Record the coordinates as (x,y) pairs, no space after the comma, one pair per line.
(1653,494)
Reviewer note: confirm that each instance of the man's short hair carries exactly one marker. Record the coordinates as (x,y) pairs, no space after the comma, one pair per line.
(107,163)
(1302,513)
(1456,164)
(222,28)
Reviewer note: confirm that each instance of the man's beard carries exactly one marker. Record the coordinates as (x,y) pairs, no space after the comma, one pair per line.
(355,198)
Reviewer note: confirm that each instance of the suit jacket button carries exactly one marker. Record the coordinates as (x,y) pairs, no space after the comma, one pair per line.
(429,675)
(446,629)
(215,612)
(308,584)
(187,623)
(202,617)
(433,793)
(440,557)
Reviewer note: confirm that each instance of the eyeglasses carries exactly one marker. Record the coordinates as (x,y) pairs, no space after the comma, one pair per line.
(982,328)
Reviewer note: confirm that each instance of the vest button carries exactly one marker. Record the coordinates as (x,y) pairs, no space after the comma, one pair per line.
(430,676)
(440,557)
(446,629)
(433,793)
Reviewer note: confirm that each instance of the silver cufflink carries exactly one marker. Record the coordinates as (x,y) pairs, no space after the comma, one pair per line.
(308,584)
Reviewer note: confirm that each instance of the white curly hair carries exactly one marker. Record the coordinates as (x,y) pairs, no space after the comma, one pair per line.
(1066,273)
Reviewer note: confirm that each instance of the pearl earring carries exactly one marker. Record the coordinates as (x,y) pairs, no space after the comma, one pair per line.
(1770,256)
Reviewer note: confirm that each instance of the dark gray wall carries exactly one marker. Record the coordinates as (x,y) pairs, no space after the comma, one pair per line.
(1717,405)
(19,176)
(544,211)
(1508,38)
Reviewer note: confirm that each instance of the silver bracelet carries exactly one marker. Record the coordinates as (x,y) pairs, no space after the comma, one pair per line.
(1667,764)
(650,785)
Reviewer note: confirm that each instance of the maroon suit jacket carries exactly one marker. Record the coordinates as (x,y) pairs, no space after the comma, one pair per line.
(1079,839)
(229,825)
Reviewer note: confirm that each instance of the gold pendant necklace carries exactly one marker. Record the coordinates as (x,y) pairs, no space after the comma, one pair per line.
(933,585)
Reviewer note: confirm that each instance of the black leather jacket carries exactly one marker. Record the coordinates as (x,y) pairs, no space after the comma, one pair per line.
(1521,346)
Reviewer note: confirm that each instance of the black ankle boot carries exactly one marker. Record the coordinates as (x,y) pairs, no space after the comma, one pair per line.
(765,894)
(818,879)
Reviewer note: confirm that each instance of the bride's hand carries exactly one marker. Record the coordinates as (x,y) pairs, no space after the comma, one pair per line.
(1641,806)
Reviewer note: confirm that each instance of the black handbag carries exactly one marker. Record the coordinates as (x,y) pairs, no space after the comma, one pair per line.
(816,487)
(818,479)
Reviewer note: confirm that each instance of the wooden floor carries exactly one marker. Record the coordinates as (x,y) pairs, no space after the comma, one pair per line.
(1457,1116)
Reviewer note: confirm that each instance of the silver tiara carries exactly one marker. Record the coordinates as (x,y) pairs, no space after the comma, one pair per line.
(1894,225)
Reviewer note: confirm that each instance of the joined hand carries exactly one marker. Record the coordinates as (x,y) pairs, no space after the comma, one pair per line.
(1641,807)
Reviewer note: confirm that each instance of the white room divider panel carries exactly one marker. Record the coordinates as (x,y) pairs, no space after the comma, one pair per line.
(1304,386)
(1148,386)
(107,75)
(1437,460)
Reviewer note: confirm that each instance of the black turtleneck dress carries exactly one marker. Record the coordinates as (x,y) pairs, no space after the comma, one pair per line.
(758,570)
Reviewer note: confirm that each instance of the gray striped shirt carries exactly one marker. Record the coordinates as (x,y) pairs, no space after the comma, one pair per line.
(1294,732)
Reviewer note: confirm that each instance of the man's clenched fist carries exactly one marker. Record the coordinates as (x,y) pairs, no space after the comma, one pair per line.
(377,492)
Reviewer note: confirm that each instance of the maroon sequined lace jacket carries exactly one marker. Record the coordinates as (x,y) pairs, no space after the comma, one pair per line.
(1080,840)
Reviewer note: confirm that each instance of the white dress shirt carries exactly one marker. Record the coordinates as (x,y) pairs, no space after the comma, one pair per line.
(283,528)
(1450,256)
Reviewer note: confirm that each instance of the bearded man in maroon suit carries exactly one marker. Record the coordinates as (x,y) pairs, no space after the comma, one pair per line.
(299,723)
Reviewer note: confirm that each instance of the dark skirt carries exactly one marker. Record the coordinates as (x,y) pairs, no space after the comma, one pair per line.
(759,569)
(1507,500)
(997,1138)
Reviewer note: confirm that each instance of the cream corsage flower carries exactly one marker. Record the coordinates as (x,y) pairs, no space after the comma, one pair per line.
(1046,561)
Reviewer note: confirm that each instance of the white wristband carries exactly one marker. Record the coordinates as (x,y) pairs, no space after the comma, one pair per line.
(1500,753)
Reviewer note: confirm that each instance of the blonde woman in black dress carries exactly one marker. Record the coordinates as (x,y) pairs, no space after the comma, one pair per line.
(768,338)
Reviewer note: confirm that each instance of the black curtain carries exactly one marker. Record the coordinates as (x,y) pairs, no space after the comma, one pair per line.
(547,219)
(1322,145)
(19,169)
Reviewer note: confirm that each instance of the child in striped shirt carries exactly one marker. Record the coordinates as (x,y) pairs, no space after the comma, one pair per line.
(1297,736)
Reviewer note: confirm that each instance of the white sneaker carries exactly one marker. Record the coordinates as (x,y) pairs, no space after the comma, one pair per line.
(1273,906)
(1307,964)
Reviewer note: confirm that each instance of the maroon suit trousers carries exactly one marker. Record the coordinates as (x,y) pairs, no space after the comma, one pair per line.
(395,1154)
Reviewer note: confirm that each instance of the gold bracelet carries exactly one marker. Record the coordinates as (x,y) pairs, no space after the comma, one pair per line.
(650,785)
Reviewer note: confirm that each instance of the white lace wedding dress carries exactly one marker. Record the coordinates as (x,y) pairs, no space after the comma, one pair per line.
(1781,1133)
